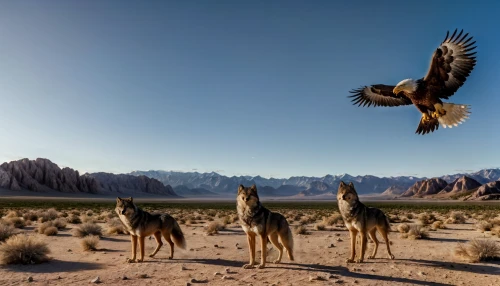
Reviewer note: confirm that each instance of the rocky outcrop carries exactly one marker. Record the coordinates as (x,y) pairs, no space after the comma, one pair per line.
(394,191)
(425,188)
(491,189)
(42,175)
(7,181)
(461,185)
(129,184)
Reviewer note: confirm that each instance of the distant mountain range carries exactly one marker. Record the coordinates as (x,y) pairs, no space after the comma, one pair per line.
(41,175)
(404,186)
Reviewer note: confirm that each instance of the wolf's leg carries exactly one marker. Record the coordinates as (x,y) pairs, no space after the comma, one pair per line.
(373,236)
(158,243)
(166,235)
(263,247)
(133,239)
(251,250)
(364,240)
(274,240)
(141,245)
(384,231)
(353,233)
(287,241)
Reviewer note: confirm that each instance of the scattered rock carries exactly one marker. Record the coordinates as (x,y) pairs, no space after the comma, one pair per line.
(227,270)
(198,281)
(183,268)
(30,279)
(143,276)
(331,246)
(225,277)
(217,273)
(69,250)
(339,281)
(339,239)
(96,280)
(216,246)
(331,276)
(124,277)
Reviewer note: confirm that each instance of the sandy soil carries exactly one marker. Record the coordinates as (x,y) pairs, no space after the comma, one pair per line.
(418,262)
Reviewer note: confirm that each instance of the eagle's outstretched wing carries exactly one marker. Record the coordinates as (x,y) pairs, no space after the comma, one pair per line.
(378,95)
(451,64)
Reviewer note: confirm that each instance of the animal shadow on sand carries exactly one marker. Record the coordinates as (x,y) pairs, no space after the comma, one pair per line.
(442,239)
(54,266)
(480,268)
(335,270)
(115,239)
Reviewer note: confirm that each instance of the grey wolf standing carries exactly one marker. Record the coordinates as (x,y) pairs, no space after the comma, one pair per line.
(141,224)
(360,218)
(256,220)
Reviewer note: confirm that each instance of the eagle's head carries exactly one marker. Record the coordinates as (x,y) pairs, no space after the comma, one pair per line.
(408,86)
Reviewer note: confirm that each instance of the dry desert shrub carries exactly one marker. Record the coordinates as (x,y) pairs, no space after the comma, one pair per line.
(90,242)
(300,229)
(410,216)
(50,214)
(456,218)
(438,225)
(6,231)
(479,250)
(30,216)
(306,220)
(214,227)
(496,230)
(483,226)
(87,229)
(60,223)
(50,231)
(88,219)
(115,226)
(319,226)
(416,232)
(13,214)
(23,249)
(334,219)
(74,219)
(426,218)
(16,222)
(403,228)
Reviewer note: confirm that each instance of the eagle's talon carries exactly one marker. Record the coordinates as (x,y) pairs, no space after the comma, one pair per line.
(425,117)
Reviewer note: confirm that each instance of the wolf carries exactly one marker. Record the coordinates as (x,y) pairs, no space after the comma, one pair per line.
(256,220)
(360,218)
(140,224)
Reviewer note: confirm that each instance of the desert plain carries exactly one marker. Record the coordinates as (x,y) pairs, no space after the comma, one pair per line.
(425,240)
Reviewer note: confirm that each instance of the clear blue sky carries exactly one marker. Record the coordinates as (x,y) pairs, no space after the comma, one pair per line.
(239,87)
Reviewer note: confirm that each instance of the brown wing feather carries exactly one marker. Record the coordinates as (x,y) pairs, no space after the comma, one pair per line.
(427,127)
(451,64)
(378,95)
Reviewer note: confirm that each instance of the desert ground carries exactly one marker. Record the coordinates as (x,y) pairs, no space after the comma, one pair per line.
(217,247)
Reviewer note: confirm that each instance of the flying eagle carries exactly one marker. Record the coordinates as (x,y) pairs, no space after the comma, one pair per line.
(451,64)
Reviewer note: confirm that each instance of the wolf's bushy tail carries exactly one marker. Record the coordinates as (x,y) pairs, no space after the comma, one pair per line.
(178,236)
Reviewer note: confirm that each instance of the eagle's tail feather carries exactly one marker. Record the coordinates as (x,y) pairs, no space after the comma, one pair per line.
(455,114)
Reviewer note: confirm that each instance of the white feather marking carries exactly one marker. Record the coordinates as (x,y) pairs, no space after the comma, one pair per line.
(455,114)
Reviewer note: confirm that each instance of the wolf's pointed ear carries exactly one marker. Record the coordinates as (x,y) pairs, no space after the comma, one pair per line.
(253,188)
(342,184)
(351,184)
(241,188)
(118,199)
(130,199)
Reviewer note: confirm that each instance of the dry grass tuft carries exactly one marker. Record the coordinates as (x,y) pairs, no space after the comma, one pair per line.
(300,229)
(319,226)
(6,231)
(60,223)
(438,225)
(403,228)
(334,219)
(50,231)
(30,216)
(456,218)
(483,226)
(16,222)
(416,232)
(23,249)
(479,250)
(87,229)
(74,219)
(50,214)
(426,218)
(115,226)
(214,227)
(90,242)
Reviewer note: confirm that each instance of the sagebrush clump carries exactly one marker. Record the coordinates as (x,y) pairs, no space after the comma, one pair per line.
(23,249)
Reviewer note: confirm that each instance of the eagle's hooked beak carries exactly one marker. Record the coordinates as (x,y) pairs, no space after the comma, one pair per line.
(396,90)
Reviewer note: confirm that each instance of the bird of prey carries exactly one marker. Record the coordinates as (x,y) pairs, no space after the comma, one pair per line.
(451,64)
